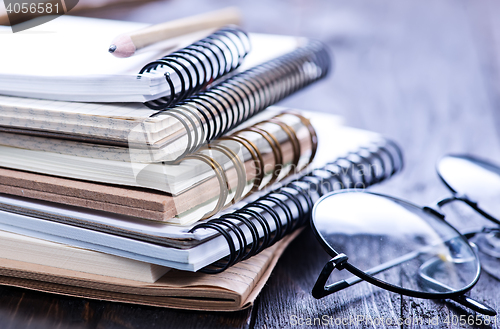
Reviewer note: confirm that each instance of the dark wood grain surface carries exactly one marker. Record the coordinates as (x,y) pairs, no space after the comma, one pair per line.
(426,74)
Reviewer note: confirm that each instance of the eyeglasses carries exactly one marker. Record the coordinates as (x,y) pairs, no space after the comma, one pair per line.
(408,249)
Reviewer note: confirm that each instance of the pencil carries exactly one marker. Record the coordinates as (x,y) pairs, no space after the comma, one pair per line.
(126,45)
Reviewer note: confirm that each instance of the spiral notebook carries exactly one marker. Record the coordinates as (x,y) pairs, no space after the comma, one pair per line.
(132,167)
(252,158)
(264,217)
(183,128)
(40,252)
(73,64)
(229,291)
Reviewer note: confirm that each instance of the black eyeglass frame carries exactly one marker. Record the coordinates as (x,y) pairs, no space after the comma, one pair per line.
(456,196)
(340,260)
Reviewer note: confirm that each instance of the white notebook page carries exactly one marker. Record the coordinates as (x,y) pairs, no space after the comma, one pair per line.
(68,47)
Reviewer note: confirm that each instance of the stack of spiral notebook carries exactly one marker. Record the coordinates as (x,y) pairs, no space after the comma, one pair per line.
(186,200)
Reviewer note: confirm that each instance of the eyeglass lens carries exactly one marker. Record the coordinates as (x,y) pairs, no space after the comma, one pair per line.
(397,242)
(479,181)
(474,178)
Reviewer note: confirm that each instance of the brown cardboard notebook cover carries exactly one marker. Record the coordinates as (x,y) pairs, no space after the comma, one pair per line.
(123,200)
(135,202)
(231,290)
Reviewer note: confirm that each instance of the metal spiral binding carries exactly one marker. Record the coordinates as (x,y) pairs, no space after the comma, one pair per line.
(222,107)
(209,59)
(294,201)
(257,157)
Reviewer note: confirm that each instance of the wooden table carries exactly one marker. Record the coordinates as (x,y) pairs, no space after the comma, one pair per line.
(426,74)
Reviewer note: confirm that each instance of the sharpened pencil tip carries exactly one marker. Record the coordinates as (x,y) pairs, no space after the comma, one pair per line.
(112,48)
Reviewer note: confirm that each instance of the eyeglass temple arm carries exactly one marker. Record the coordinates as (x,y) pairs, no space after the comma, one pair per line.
(339,262)
(319,289)
(475,305)
(468,201)
(484,230)
(439,286)
(447,200)
(457,197)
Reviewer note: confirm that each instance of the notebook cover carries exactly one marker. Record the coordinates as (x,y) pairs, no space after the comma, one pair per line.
(130,201)
(232,290)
